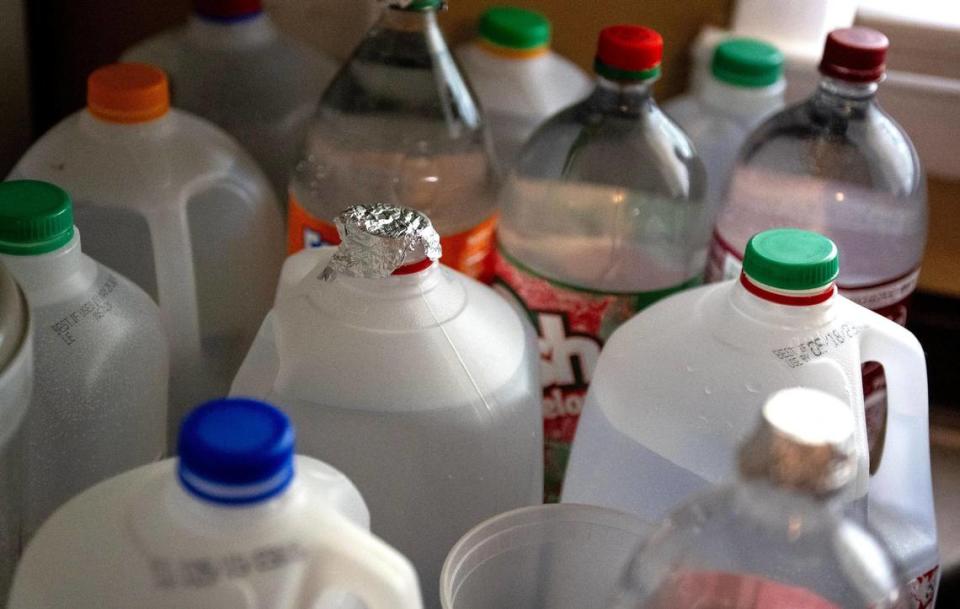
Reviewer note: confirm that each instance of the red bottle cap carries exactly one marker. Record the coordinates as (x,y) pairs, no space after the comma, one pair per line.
(855,54)
(227,10)
(629,52)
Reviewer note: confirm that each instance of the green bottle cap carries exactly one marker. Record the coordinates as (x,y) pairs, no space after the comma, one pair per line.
(35,217)
(791,259)
(515,28)
(423,5)
(745,62)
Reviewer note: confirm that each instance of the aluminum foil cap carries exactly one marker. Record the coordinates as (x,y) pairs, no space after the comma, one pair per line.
(804,442)
(376,240)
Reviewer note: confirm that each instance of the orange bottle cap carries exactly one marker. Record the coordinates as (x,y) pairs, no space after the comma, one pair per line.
(128,93)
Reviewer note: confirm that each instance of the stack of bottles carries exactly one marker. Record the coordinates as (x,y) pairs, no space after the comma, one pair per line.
(473,318)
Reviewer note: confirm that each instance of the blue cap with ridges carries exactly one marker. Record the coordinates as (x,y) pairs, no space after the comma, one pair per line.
(236,451)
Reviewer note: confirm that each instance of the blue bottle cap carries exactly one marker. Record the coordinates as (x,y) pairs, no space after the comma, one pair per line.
(236,451)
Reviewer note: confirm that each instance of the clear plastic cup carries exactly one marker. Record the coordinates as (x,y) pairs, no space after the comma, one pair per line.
(557,556)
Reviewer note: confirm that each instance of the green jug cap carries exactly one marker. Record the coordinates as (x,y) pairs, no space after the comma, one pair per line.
(515,28)
(35,217)
(745,62)
(423,5)
(791,259)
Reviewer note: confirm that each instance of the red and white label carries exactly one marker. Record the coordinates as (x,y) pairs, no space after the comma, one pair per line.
(470,252)
(572,324)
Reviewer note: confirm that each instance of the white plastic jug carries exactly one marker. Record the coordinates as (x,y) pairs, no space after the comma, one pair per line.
(519,80)
(16,380)
(231,65)
(173,203)
(418,383)
(100,386)
(237,522)
(679,386)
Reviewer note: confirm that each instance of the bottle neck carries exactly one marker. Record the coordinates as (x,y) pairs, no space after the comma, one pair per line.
(409,280)
(250,30)
(226,517)
(839,99)
(776,509)
(786,308)
(106,130)
(409,21)
(622,97)
(45,277)
(741,102)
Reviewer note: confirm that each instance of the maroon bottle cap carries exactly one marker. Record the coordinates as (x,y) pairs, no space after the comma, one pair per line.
(855,54)
(227,10)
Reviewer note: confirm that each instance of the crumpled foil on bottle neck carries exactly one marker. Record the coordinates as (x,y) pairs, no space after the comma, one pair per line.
(376,240)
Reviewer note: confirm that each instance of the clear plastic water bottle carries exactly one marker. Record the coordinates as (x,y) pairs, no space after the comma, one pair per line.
(232,66)
(173,203)
(519,80)
(16,383)
(744,87)
(100,389)
(679,385)
(399,125)
(419,383)
(603,216)
(236,522)
(778,538)
(837,164)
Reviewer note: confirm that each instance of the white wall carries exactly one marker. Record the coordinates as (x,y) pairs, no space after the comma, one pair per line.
(14,89)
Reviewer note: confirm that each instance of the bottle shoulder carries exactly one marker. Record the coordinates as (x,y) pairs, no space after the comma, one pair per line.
(867,148)
(645,152)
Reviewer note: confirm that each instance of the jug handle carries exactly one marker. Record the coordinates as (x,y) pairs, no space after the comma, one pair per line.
(348,558)
(903,478)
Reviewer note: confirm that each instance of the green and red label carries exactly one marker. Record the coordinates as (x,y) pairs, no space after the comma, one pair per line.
(572,324)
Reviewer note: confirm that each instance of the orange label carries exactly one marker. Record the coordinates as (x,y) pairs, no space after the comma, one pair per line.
(470,252)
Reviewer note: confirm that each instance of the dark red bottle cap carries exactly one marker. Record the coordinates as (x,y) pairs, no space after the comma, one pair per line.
(855,54)
(227,10)
(629,52)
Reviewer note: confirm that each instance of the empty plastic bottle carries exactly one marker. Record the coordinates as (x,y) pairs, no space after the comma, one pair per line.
(519,80)
(16,382)
(237,522)
(678,387)
(419,383)
(837,164)
(173,203)
(778,538)
(332,27)
(100,392)
(232,66)
(745,86)
(603,216)
(399,125)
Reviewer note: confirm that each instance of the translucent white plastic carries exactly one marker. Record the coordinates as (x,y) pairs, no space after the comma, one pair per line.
(100,389)
(175,205)
(679,386)
(16,380)
(717,119)
(544,557)
(141,540)
(422,388)
(245,76)
(518,94)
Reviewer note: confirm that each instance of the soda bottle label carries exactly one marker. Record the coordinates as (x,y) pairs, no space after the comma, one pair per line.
(470,252)
(572,324)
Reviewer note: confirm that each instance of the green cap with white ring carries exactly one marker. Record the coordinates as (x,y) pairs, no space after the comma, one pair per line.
(791,259)
(35,217)
(514,28)
(418,5)
(746,62)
